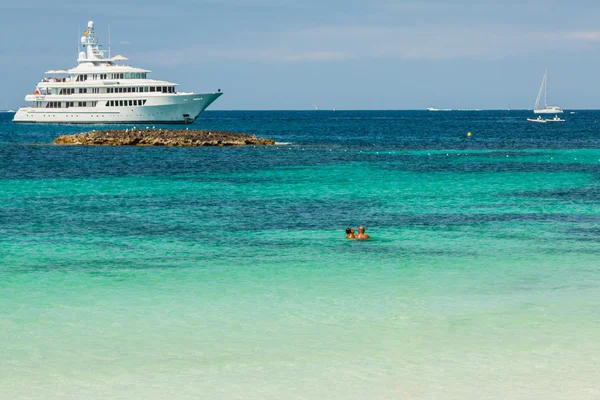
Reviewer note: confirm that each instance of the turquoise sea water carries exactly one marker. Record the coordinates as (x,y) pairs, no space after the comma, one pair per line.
(223,273)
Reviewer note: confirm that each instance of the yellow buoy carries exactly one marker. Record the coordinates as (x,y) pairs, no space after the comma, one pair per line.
(469,134)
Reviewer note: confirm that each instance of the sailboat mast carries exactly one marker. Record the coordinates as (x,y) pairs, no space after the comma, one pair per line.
(539,95)
(546,89)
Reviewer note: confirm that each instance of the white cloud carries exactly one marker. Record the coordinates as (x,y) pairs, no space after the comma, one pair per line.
(585,36)
(344,42)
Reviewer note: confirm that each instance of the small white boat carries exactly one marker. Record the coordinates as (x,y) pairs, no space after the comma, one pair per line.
(538,119)
(542,120)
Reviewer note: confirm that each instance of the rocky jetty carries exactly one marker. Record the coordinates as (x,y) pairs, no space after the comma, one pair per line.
(162,137)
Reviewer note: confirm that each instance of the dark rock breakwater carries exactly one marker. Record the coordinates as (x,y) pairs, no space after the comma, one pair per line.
(162,137)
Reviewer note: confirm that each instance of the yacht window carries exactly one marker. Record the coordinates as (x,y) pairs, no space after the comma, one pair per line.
(152,88)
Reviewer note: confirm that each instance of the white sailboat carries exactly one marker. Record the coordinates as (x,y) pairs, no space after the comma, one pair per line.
(547,109)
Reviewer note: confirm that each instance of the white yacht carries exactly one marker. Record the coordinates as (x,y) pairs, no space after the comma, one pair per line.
(102,90)
(547,109)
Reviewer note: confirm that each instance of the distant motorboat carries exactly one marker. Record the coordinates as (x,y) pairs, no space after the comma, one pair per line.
(438,109)
(547,109)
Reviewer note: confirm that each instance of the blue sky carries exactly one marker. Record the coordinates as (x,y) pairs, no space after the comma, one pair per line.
(283,54)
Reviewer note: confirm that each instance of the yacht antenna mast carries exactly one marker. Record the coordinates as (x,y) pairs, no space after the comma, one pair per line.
(78,42)
(108,40)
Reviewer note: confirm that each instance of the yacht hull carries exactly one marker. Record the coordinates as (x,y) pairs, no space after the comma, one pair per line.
(171,109)
(548,111)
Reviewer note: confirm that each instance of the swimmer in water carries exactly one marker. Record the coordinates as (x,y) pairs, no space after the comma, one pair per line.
(361,234)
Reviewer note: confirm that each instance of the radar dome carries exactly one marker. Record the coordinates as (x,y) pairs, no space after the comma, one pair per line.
(91,24)
(83,39)
(82,55)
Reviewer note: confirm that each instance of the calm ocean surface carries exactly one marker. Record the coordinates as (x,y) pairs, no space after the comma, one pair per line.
(223,273)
